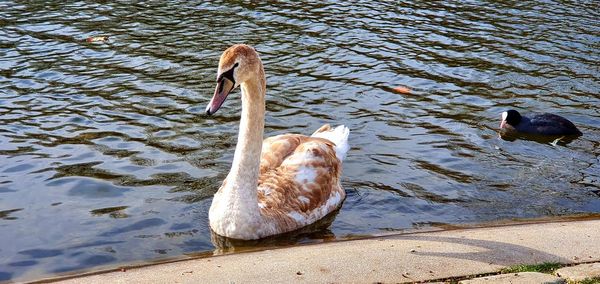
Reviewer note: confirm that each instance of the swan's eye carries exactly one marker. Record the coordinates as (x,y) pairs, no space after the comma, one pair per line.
(228,74)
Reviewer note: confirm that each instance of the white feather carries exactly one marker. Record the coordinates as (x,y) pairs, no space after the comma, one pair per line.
(305,175)
(339,136)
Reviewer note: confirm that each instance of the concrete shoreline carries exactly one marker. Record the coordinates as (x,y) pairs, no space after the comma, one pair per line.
(413,257)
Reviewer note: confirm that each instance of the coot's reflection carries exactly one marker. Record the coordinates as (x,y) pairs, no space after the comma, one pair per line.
(562,140)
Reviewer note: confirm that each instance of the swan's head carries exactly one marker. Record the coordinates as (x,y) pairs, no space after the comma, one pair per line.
(238,64)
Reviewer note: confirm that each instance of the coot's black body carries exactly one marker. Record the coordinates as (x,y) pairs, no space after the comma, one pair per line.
(539,124)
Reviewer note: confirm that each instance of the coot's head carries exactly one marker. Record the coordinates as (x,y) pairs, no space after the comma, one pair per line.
(510,117)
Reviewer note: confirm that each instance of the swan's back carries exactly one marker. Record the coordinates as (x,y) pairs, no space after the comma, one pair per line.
(299,180)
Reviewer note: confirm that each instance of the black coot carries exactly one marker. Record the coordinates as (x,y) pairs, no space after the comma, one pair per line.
(539,124)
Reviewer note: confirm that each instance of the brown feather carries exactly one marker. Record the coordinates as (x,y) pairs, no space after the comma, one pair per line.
(281,194)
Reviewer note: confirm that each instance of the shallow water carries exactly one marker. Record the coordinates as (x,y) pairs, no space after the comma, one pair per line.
(106,157)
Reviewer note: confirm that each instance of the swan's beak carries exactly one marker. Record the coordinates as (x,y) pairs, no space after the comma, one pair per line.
(224,87)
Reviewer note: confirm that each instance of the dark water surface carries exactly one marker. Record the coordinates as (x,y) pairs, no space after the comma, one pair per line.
(106,158)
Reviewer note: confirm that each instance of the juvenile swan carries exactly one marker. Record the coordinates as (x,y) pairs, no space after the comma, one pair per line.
(282,183)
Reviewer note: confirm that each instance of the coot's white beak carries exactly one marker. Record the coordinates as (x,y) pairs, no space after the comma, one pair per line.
(503,122)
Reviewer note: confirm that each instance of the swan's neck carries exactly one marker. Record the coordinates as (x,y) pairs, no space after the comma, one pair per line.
(234,211)
(246,161)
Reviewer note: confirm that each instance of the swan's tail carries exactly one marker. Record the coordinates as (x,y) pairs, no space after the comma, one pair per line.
(338,135)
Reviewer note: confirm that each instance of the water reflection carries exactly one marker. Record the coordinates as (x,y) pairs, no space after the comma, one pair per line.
(318,231)
(88,128)
(554,140)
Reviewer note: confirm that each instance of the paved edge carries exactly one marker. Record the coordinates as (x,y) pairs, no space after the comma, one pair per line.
(396,258)
(579,272)
(521,277)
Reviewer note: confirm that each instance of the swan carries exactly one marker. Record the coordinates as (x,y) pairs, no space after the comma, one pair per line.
(280,184)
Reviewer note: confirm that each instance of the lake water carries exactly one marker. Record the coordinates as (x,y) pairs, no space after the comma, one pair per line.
(106,157)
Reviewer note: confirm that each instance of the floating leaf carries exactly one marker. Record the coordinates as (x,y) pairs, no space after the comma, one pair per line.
(97,39)
(402,90)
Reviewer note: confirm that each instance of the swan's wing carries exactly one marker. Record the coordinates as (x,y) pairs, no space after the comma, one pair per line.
(304,187)
(277,148)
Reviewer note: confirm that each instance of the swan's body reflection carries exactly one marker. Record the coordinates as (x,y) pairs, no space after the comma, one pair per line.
(318,231)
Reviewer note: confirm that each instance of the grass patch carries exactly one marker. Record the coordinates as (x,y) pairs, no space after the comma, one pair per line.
(546,267)
(594,280)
